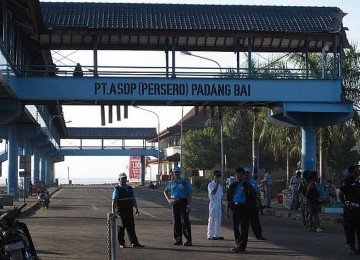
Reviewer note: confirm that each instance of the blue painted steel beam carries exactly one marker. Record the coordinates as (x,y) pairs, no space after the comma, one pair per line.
(176,89)
(323,114)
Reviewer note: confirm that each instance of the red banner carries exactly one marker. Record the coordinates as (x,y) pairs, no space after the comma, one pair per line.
(135,169)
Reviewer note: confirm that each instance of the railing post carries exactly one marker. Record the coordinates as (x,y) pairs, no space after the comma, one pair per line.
(111,236)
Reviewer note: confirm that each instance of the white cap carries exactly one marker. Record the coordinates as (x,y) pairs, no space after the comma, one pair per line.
(247,169)
(122,175)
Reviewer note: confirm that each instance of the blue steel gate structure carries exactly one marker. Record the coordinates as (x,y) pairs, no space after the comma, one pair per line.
(33,88)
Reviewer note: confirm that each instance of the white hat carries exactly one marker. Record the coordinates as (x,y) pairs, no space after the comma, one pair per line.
(122,175)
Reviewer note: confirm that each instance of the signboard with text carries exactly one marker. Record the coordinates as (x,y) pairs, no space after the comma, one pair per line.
(135,169)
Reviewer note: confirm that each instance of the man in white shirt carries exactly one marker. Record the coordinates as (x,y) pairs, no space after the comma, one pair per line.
(215,193)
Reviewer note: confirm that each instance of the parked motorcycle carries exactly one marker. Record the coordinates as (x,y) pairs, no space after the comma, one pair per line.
(15,239)
(44,200)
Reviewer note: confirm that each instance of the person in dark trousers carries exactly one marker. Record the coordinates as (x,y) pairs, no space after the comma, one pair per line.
(254,210)
(123,203)
(313,203)
(349,196)
(240,198)
(178,194)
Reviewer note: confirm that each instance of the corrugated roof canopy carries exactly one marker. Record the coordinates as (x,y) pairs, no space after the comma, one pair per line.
(189,27)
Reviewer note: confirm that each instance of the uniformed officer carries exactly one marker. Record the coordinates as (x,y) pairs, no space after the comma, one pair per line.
(254,210)
(178,193)
(349,196)
(240,196)
(123,203)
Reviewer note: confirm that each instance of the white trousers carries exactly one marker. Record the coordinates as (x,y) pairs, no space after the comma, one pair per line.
(214,222)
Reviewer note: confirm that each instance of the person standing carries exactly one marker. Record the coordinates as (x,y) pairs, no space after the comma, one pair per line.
(268,187)
(240,195)
(295,181)
(349,196)
(123,202)
(254,209)
(178,194)
(215,193)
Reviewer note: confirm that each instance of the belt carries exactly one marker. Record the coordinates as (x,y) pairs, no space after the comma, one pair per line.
(176,199)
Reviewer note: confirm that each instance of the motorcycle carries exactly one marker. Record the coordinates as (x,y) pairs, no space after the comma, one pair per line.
(44,200)
(15,239)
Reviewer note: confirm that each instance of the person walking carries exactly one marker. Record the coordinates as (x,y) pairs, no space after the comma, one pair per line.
(349,196)
(123,202)
(268,187)
(313,203)
(254,209)
(215,193)
(178,194)
(239,197)
(295,181)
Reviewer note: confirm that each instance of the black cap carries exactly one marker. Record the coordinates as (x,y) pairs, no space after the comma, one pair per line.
(352,167)
(217,173)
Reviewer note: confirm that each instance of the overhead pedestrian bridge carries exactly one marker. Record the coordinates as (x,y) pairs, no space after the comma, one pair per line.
(34,86)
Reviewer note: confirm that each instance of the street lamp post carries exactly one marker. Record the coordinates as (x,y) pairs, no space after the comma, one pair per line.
(158,134)
(68,168)
(201,57)
(221,128)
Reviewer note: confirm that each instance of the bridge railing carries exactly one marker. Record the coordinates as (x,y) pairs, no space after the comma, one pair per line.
(179,72)
(99,147)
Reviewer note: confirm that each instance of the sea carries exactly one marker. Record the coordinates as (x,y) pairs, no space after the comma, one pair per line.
(92,181)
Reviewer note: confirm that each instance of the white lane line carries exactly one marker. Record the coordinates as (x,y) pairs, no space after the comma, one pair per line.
(146,213)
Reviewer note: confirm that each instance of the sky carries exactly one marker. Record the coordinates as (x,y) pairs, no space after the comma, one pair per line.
(109,167)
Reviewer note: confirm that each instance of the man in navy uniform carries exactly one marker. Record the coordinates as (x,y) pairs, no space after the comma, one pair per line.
(254,209)
(178,193)
(123,203)
(241,197)
(350,197)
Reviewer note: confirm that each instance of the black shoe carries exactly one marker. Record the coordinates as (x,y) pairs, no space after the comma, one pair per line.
(188,243)
(137,245)
(211,238)
(218,238)
(260,238)
(238,250)
(353,251)
(122,246)
(178,243)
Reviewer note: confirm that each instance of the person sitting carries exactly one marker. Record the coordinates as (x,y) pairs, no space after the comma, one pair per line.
(43,190)
(151,185)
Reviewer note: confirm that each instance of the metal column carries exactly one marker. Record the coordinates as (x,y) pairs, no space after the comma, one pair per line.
(308,150)
(12,187)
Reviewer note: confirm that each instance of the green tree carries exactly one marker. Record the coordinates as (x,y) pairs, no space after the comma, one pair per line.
(201,149)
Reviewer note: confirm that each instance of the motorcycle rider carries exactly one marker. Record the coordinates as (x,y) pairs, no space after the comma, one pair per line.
(43,190)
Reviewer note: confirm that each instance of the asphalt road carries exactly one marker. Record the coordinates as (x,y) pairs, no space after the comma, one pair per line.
(74,227)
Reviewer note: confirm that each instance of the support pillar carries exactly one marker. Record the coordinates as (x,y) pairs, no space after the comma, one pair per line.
(308,150)
(36,164)
(142,171)
(43,168)
(12,187)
